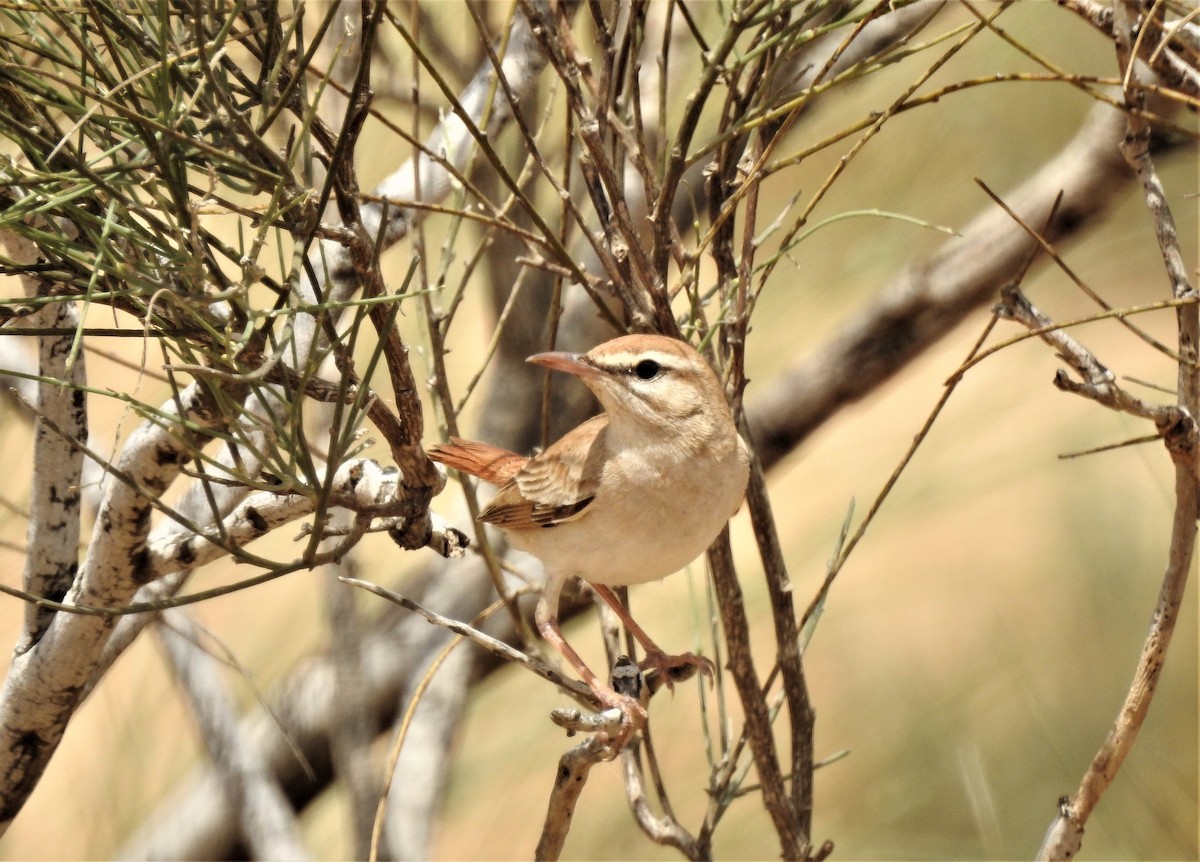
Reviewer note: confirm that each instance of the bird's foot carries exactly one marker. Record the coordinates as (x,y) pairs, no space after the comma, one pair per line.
(671,669)
(633,717)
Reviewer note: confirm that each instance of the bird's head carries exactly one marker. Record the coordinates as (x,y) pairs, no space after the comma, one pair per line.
(648,381)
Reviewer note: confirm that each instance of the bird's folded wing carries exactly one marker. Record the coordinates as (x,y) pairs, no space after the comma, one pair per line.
(556,485)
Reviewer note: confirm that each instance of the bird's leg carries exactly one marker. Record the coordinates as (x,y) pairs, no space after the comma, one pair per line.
(633,714)
(655,658)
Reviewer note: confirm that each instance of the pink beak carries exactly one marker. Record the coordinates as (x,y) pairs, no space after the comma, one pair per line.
(568,362)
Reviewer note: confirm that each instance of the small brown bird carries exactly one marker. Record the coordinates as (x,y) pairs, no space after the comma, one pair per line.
(629,496)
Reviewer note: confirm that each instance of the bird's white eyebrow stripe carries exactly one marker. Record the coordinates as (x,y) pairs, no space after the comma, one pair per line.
(626,359)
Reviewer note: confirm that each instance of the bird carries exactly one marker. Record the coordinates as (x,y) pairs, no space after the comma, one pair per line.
(631,495)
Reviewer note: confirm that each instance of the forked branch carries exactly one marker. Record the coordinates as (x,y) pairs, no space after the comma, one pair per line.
(1176,424)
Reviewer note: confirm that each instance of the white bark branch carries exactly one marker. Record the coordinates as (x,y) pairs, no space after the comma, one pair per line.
(44,684)
(61,417)
(54,504)
(361,486)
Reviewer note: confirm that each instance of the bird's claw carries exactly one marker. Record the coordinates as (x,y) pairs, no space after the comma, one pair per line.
(633,716)
(677,668)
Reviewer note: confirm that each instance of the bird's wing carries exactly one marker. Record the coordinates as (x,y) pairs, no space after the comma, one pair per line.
(489,463)
(556,485)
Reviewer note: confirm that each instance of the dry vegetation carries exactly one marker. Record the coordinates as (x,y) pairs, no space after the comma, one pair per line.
(331,275)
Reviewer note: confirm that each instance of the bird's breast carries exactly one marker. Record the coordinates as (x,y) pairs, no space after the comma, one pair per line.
(653,514)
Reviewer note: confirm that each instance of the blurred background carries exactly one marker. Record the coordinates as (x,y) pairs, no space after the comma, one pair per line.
(975,649)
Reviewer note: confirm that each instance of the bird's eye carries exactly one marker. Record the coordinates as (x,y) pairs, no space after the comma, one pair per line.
(647,369)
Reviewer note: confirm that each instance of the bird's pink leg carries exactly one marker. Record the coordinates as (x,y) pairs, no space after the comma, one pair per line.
(633,714)
(655,657)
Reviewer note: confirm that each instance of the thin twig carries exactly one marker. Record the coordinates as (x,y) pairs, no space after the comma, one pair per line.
(1177,426)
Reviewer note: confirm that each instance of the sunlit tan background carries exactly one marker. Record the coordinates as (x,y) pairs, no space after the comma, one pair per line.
(972,654)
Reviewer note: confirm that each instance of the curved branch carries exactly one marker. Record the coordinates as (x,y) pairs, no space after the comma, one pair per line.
(918,308)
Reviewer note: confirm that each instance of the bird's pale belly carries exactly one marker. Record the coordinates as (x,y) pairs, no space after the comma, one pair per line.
(651,530)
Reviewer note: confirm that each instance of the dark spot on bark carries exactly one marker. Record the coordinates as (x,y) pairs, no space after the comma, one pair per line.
(68,499)
(64,576)
(140,522)
(164,456)
(139,566)
(57,594)
(256,520)
(1068,221)
(29,751)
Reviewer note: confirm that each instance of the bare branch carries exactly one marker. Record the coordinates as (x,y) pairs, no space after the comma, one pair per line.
(1099,384)
(569,781)
(920,307)
(360,486)
(665,829)
(44,684)
(267,820)
(54,506)
(1177,426)
(795,843)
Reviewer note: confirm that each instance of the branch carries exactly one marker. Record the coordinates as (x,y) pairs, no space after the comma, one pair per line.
(267,820)
(1154,43)
(665,829)
(1065,835)
(913,312)
(54,504)
(569,781)
(44,685)
(1098,383)
(794,843)
(61,417)
(360,486)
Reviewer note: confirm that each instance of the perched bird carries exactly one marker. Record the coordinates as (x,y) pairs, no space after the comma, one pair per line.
(629,496)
